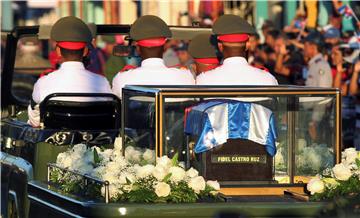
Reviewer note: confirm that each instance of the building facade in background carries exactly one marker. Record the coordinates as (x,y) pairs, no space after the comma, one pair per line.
(174,12)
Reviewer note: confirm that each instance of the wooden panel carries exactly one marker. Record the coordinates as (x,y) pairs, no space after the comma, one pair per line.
(260,190)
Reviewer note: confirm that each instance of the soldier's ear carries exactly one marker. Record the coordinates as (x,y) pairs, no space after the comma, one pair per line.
(247,45)
(220,46)
(85,52)
(138,50)
(58,51)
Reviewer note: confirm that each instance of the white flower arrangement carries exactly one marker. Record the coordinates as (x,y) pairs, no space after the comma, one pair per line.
(342,179)
(135,177)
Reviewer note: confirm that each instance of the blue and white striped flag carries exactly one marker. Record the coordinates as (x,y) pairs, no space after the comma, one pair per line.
(215,121)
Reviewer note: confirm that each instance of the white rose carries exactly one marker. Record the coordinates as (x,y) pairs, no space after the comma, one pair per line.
(313,159)
(182,164)
(106,155)
(350,154)
(341,172)
(67,162)
(60,158)
(162,189)
(82,167)
(125,177)
(88,157)
(163,161)
(197,184)
(113,167)
(111,177)
(99,171)
(135,156)
(118,144)
(149,155)
(129,150)
(144,171)
(191,173)
(177,174)
(213,184)
(315,185)
(114,191)
(79,148)
(159,173)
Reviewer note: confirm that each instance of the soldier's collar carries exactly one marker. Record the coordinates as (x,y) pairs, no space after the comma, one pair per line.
(238,60)
(315,58)
(152,62)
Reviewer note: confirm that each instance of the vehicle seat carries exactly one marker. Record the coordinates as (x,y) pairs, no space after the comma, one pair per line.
(75,115)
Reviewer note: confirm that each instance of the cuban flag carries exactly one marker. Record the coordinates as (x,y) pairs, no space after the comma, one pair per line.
(346,11)
(216,121)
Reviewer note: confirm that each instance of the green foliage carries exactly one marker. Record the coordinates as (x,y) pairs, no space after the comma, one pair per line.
(345,188)
(97,158)
(167,178)
(357,161)
(182,193)
(175,160)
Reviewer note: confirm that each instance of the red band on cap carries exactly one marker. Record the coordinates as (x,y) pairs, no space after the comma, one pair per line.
(72,45)
(152,42)
(234,37)
(207,60)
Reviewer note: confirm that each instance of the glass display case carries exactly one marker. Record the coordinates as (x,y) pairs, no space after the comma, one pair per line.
(238,135)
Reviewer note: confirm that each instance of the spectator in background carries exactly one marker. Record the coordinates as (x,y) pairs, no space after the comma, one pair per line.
(254,42)
(271,38)
(183,55)
(266,27)
(96,59)
(170,57)
(113,63)
(319,72)
(332,36)
(346,79)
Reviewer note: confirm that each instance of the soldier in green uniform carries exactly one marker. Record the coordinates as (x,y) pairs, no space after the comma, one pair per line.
(319,71)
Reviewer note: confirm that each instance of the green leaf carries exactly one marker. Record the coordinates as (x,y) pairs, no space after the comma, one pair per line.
(166,179)
(174,160)
(97,159)
(357,161)
(128,182)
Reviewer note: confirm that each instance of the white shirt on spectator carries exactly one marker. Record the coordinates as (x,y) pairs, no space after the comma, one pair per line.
(236,71)
(151,72)
(71,77)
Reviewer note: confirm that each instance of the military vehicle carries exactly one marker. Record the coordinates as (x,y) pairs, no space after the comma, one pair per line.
(254,182)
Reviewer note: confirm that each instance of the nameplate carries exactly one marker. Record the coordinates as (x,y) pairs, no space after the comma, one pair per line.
(240,159)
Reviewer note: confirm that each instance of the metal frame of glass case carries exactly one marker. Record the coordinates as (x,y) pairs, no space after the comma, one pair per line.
(160,93)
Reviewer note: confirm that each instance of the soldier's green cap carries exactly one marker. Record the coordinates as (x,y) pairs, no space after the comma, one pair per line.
(202,46)
(70,29)
(148,27)
(232,24)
